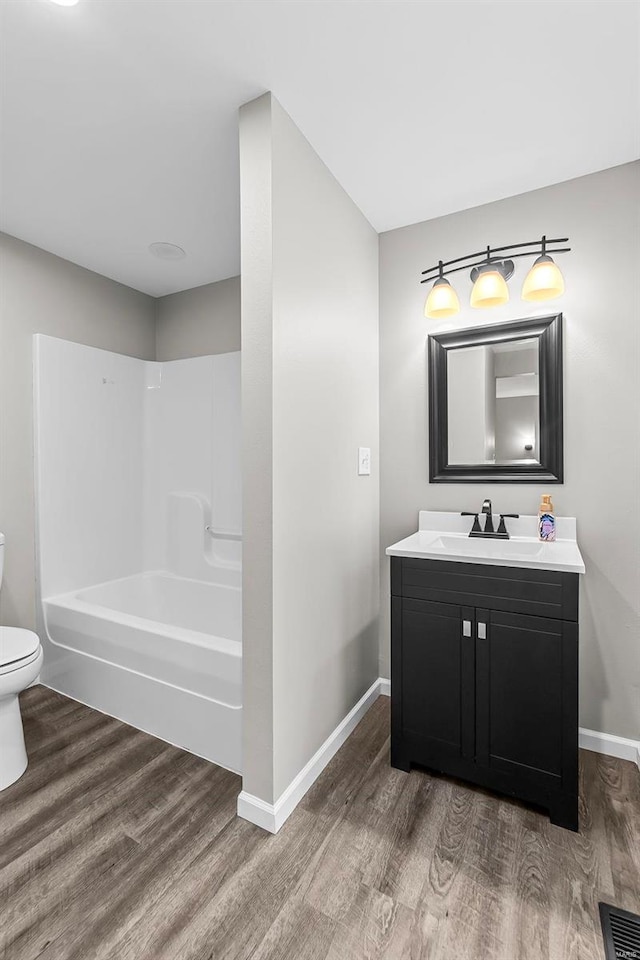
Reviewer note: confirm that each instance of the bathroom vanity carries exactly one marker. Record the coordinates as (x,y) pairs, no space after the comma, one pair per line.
(484,658)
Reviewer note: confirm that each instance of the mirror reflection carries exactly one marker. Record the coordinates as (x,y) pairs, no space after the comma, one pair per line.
(493,402)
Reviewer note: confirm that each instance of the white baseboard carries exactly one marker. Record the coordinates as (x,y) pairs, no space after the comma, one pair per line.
(257,811)
(610,744)
(271,816)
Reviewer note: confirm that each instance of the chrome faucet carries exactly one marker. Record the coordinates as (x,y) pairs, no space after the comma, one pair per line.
(476,530)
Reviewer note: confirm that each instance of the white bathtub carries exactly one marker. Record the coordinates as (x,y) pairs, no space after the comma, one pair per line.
(159,651)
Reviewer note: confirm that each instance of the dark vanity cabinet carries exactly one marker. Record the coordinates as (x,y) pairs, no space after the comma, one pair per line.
(484,678)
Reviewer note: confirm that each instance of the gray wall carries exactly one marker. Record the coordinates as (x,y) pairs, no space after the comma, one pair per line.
(256,277)
(310,398)
(199,322)
(601,306)
(40,293)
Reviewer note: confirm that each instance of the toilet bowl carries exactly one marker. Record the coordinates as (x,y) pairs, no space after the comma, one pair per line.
(20,663)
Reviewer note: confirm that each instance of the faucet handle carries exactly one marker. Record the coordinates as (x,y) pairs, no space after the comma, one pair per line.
(476,528)
(502,530)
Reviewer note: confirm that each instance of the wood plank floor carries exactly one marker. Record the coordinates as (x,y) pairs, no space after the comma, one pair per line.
(116,846)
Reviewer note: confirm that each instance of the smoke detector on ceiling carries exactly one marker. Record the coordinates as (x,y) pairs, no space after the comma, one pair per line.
(167,251)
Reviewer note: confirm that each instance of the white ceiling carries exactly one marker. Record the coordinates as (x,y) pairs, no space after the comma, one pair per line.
(119,122)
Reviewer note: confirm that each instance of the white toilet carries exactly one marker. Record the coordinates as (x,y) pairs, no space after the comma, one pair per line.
(20,663)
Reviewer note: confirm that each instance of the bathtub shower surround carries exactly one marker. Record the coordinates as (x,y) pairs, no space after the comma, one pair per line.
(138,504)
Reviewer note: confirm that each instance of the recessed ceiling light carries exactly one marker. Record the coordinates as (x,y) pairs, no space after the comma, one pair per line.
(167,251)
(65,3)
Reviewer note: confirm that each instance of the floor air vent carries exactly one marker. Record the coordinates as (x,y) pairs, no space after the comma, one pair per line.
(621,933)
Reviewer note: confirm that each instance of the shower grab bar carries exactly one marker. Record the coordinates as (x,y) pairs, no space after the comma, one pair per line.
(222,534)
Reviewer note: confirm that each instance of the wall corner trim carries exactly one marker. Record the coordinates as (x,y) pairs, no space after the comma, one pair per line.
(608,743)
(271,816)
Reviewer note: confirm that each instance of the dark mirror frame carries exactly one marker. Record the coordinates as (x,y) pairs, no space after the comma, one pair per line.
(548,330)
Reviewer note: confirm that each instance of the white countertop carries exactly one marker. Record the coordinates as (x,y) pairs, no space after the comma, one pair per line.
(445,536)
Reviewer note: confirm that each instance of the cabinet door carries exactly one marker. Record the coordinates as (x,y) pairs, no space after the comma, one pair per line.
(526,696)
(433,681)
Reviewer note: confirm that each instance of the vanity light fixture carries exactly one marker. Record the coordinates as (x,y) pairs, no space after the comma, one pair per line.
(442,300)
(544,281)
(65,3)
(490,274)
(490,282)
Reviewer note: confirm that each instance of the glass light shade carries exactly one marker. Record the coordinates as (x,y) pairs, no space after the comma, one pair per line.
(544,281)
(489,290)
(442,301)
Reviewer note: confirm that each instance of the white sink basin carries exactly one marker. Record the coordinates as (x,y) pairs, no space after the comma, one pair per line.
(475,546)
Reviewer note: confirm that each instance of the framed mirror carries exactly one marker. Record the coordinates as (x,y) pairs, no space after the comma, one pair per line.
(495,403)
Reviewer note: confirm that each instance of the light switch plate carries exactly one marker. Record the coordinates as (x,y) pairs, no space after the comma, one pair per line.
(364,461)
